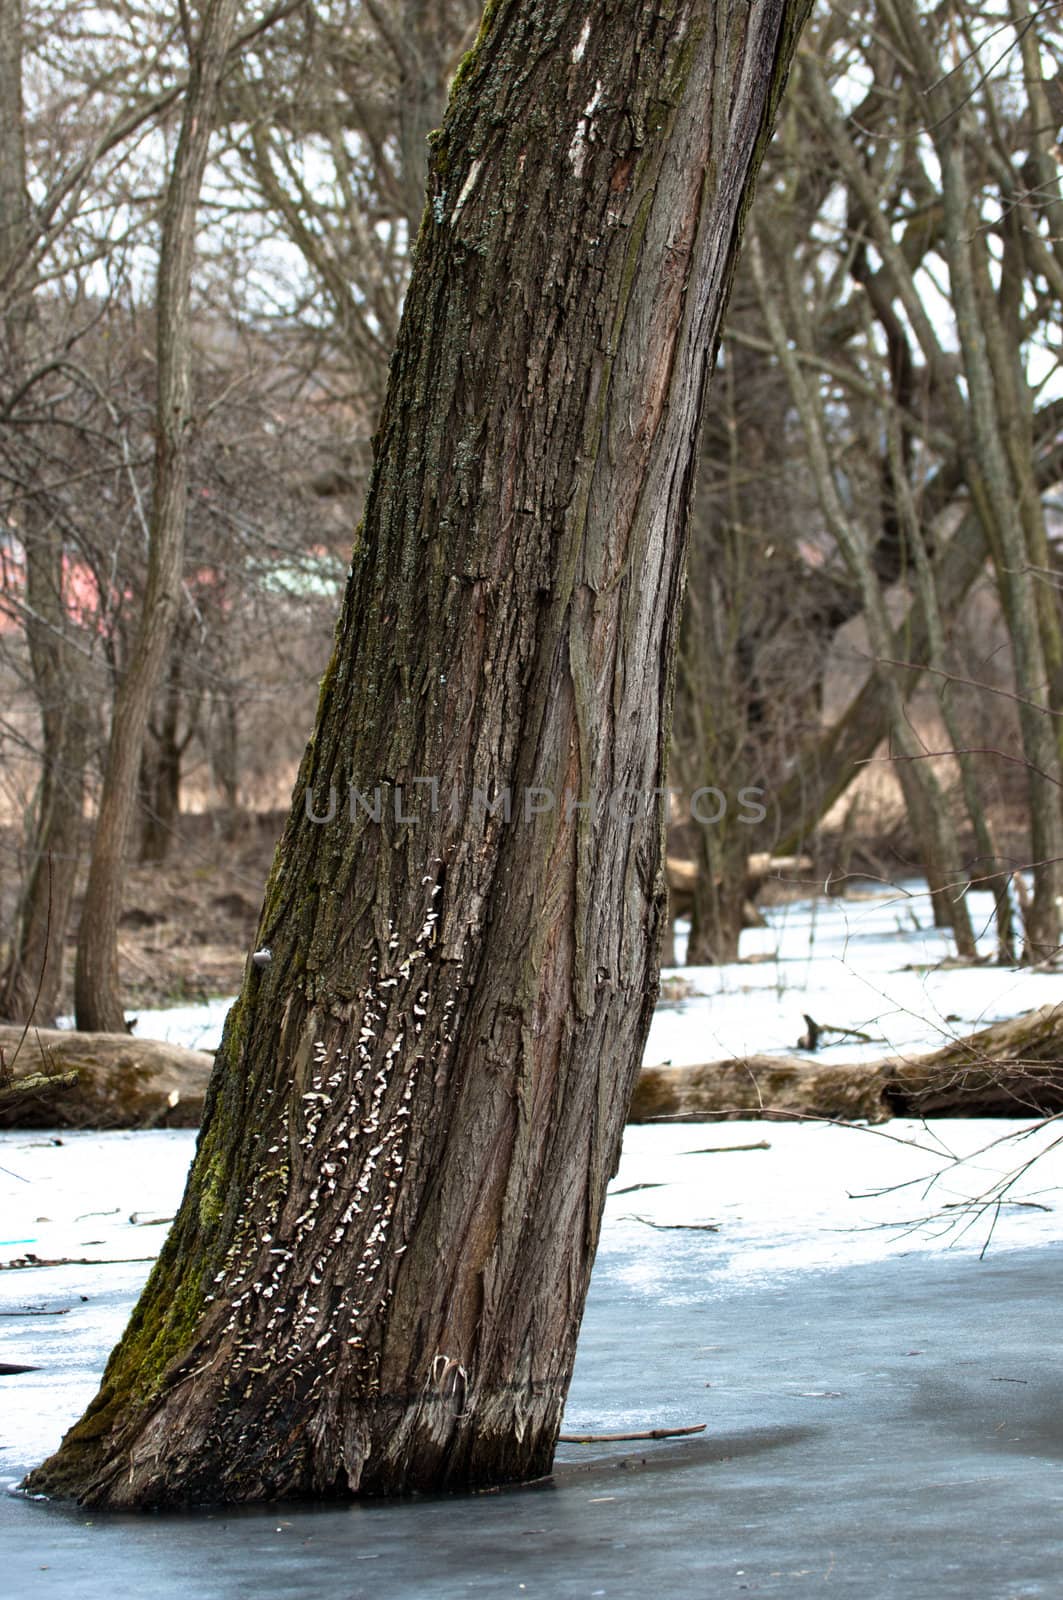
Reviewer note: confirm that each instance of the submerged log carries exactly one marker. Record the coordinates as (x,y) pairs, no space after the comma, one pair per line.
(1011,1069)
(104,1080)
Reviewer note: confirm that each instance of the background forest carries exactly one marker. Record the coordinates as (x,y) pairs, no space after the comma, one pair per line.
(873,634)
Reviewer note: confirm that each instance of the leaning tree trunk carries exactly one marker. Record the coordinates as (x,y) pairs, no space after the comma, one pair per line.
(97,998)
(377,1275)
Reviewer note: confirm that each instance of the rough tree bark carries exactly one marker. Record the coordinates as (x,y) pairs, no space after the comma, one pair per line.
(378,1271)
(97,998)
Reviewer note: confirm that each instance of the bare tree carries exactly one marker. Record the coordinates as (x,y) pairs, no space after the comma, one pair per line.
(914,424)
(996,404)
(30,980)
(97,999)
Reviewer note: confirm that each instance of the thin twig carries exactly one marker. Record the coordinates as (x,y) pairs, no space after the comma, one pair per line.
(697,1227)
(722,1149)
(617,1438)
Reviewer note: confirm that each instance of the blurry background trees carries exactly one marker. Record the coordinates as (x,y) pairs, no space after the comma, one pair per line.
(873,633)
(889,479)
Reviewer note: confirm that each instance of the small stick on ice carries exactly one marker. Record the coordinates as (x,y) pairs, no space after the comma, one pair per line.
(722,1149)
(699,1227)
(616,1438)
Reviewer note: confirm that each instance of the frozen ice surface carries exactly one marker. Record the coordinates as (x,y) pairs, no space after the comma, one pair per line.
(873,964)
(75,1199)
(877,1396)
(883,1404)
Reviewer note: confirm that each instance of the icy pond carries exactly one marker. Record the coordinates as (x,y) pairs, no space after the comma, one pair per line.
(868,1328)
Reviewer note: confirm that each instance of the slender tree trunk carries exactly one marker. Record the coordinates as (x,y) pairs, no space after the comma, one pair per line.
(31,982)
(1014,580)
(987,860)
(97,999)
(224,753)
(13,196)
(31,979)
(718,913)
(161,761)
(420,43)
(378,1271)
(161,794)
(934,837)
(721,727)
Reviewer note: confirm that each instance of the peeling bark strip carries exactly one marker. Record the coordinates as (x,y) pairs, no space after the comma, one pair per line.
(377,1275)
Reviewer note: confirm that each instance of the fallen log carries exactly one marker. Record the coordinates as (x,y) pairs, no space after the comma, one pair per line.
(1011,1069)
(751,1087)
(100,1080)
